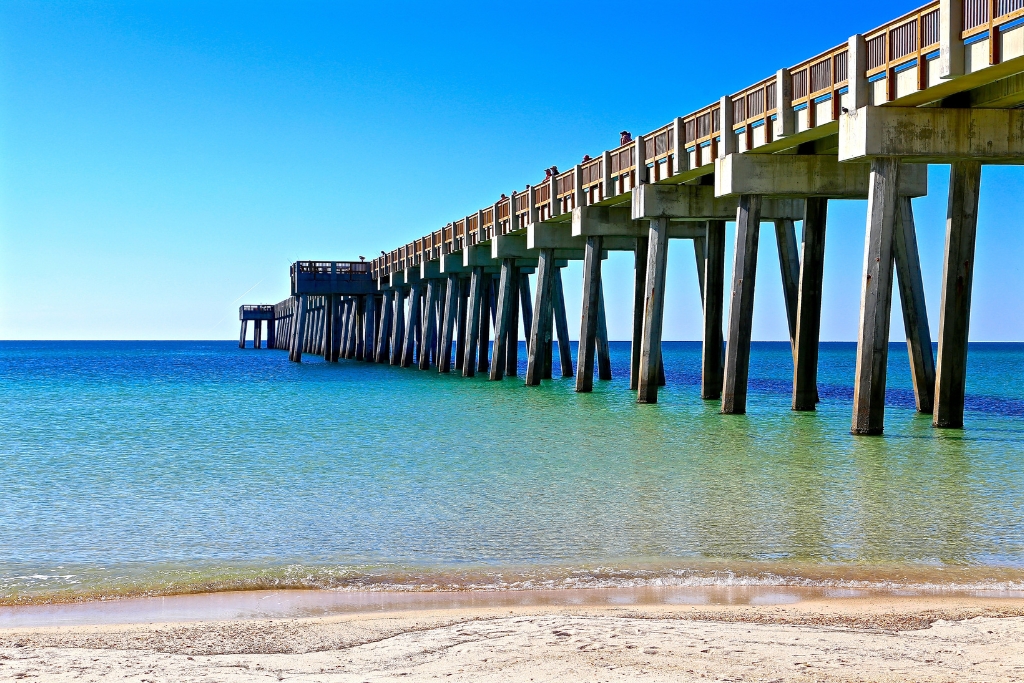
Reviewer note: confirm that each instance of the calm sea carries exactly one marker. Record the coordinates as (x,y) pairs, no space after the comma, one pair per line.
(135,468)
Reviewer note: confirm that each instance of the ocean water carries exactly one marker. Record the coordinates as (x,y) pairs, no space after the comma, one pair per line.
(133,468)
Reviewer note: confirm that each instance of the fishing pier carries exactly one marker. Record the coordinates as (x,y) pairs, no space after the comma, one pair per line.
(942,84)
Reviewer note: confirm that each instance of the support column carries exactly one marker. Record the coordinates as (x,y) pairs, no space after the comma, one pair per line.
(526,304)
(272,333)
(511,358)
(506,294)
(540,331)
(484,333)
(398,334)
(700,253)
(807,323)
(915,314)
(342,323)
(257,334)
(384,331)
(295,354)
(463,320)
(957,282)
(714,303)
(789,266)
(639,289)
(604,357)
(357,318)
(473,307)
(241,336)
(412,318)
(741,306)
(369,323)
(451,310)
(429,325)
(876,298)
(562,326)
(653,308)
(332,339)
(589,316)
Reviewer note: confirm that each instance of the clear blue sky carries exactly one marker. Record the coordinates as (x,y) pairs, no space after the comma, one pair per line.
(161,163)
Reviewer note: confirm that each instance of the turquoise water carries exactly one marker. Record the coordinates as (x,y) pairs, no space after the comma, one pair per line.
(132,468)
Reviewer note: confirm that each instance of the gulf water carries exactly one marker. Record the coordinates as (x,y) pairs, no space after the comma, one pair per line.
(162,467)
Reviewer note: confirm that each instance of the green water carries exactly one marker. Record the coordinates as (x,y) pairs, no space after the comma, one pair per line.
(161,467)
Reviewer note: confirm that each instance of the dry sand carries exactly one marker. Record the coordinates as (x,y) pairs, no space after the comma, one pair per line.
(879,638)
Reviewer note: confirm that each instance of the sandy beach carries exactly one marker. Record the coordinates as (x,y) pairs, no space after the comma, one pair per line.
(867,638)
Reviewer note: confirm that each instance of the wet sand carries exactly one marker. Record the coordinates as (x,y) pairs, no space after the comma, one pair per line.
(574,635)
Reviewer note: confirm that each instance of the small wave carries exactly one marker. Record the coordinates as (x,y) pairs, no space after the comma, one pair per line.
(43,588)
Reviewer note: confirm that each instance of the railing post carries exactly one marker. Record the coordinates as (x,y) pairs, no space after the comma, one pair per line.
(579,197)
(728,145)
(640,160)
(680,159)
(856,72)
(606,173)
(951,47)
(785,117)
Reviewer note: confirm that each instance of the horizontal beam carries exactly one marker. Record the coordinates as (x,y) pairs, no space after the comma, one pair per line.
(698,203)
(932,134)
(804,175)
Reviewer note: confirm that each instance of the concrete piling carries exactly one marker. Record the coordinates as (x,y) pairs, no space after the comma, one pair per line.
(484,331)
(876,298)
(741,306)
(462,334)
(561,326)
(650,367)
(398,334)
(384,331)
(714,295)
(955,304)
(789,266)
(526,304)
(430,324)
(915,312)
(411,322)
(511,357)
(295,355)
(590,313)
(333,321)
(451,309)
(639,297)
(369,326)
(504,320)
(604,357)
(474,305)
(540,331)
(806,325)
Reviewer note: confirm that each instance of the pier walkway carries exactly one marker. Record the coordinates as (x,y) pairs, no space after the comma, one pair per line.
(941,84)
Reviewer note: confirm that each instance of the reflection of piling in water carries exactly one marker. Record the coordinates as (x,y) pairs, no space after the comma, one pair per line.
(847,124)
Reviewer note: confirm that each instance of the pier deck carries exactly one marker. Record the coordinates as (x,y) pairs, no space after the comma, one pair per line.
(941,84)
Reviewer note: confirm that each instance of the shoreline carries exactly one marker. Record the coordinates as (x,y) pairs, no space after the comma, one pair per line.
(614,634)
(320,603)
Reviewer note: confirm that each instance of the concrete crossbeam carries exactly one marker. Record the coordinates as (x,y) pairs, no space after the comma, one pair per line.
(616,223)
(698,203)
(478,255)
(452,263)
(932,134)
(805,175)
